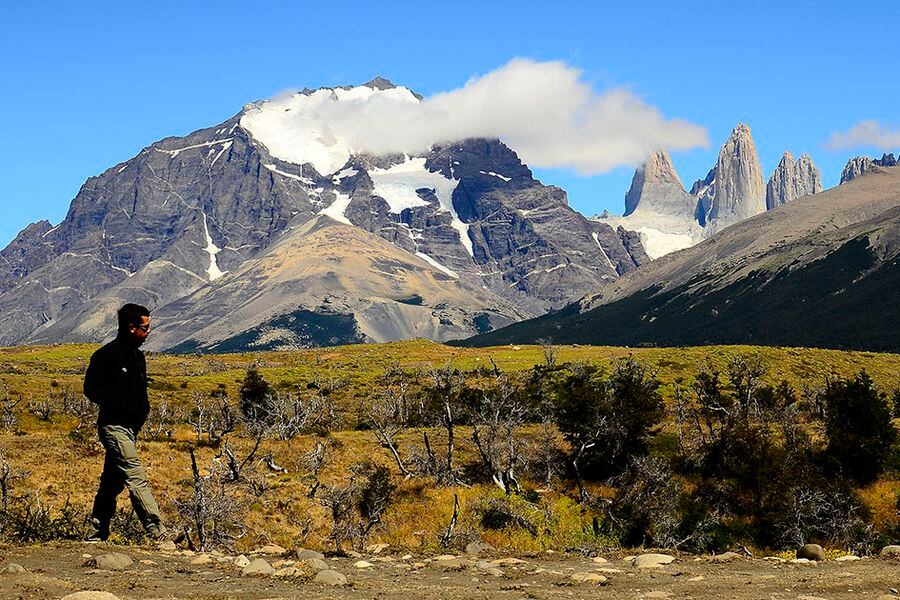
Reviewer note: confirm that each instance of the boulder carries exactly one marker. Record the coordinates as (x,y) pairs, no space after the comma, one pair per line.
(12,569)
(376,548)
(811,552)
(330,577)
(363,564)
(302,553)
(241,561)
(592,578)
(725,557)
(314,564)
(111,561)
(847,558)
(890,552)
(478,547)
(652,561)
(203,559)
(271,549)
(258,566)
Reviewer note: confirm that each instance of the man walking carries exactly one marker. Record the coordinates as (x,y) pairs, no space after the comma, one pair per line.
(116,380)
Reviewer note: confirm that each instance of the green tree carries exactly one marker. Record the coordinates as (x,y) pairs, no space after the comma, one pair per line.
(858,425)
(256,397)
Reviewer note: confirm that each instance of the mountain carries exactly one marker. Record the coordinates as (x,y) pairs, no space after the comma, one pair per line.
(858,165)
(668,218)
(792,180)
(235,228)
(737,191)
(822,270)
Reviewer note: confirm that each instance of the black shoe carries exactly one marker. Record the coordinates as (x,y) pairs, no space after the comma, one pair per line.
(96,538)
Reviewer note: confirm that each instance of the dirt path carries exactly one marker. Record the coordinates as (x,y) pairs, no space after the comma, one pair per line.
(54,571)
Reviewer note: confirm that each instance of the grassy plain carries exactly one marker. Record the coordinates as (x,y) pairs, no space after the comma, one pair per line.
(61,467)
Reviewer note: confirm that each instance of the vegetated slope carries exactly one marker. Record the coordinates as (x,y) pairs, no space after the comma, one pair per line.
(819,271)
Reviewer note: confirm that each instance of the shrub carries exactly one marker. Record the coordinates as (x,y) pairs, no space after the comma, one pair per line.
(256,397)
(858,425)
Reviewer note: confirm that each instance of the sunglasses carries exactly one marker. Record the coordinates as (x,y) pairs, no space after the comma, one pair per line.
(144,328)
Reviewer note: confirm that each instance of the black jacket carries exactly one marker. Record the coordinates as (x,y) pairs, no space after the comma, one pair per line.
(116,380)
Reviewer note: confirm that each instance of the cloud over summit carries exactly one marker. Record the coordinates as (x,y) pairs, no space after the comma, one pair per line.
(865,133)
(545,111)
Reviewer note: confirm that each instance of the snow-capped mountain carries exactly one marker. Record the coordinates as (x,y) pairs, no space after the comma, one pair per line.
(282,227)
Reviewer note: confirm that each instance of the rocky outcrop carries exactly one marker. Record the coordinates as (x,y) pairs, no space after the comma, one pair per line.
(738,190)
(792,180)
(858,165)
(656,189)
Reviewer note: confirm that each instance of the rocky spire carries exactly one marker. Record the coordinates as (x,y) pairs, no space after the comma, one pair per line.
(738,191)
(855,167)
(656,188)
(792,180)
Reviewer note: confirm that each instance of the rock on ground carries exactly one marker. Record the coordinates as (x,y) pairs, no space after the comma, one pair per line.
(652,561)
(890,552)
(811,552)
(330,577)
(91,595)
(314,564)
(111,561)
(478,547)
(12,569)
(258,566)
(594,578)
(302,553)
(241,561)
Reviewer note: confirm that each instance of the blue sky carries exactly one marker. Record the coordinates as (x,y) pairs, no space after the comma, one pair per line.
(87,85)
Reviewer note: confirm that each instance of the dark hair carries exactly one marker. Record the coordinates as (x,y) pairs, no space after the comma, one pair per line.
(130,314)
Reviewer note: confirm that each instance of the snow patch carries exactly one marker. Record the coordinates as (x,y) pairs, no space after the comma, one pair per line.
(497,175)
(348,172)
(177,151)
(299,178)
(602,251)
(213,270)
(221,152)
(398,184)
(336,209)
(49,231)
(122,169)
(437,265)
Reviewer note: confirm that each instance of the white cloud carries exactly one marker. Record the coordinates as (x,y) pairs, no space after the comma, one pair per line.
(544,111)
(865,133)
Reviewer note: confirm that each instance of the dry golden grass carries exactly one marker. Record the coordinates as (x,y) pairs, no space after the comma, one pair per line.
(61,467)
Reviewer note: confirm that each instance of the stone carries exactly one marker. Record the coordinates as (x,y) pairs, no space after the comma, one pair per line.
(652,561)
(111,561)
(241,561)
(203,559)
(445,557)
(586,577)
(890,552)
(90,595)
(725,557)
(697,578)
(453,564)
(811,552)
(278,564)
(167,546)
(478,547)
(363,564)
(804,562)
(288,572)
(304,553)
(847,558)
(257,567)
(330,577)
(406,557)
(271,549)
(12,569)
(509,561)
(488,568)
(610,571)
(376,548)
(599,560)
(314,564)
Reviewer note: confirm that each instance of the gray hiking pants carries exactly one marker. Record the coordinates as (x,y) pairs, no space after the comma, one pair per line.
(122,468)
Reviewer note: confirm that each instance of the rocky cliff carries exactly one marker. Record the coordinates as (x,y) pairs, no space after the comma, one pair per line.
(792,179)
(858,165)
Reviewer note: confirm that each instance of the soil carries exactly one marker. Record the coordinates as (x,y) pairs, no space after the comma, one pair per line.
(56,570)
